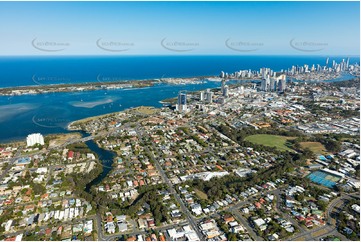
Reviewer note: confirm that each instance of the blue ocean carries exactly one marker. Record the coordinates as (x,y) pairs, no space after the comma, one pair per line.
(50,113)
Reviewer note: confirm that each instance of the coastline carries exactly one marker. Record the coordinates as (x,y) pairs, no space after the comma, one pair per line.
(77,122)
(69,125)
(144,83)
(69,128)
(75,130)
(97,85)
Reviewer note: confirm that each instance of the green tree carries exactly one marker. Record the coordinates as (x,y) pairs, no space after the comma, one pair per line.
(322,205)
(38,188)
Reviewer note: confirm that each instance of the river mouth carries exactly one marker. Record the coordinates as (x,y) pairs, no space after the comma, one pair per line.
(105,157)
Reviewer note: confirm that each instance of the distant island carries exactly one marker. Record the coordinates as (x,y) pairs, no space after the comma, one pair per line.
(91,86)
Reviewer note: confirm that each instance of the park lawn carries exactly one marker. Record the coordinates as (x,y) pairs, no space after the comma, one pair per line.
(270,140)
(60,139)
(319,232)
(200,194)
(330,98)
(315,147)
(145,110)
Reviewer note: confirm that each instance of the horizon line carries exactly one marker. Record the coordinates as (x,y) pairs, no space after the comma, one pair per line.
(175,55)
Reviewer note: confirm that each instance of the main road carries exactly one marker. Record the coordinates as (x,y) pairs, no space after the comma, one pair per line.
(11,163)
(165,179)
(331,227)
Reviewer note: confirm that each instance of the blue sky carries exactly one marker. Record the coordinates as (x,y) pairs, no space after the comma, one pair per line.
(178,28)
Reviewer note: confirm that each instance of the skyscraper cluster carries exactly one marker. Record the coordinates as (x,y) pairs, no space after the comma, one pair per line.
(274,83)
(262,73)
(206,96)
(267,73)
(335,67)
(224,88)
(239,74)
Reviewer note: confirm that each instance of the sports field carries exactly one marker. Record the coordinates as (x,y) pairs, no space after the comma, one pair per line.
(270,140)
(324,178)
(200,194)
(315,147)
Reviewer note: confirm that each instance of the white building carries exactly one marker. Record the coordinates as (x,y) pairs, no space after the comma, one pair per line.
(110,227)
(206,176)
(196,209)
(356,208)
(19,237)
(33,139)
(8,225)
(88,226)
(259,222)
